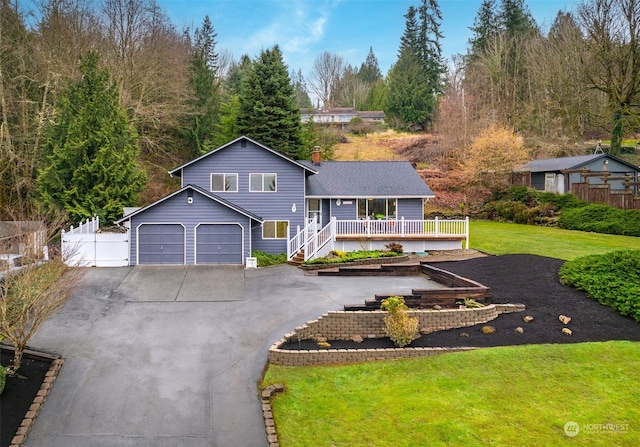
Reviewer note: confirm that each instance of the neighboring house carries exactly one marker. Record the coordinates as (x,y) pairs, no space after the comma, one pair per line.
(342,115)
(20,240)
(559,174)
(245,196)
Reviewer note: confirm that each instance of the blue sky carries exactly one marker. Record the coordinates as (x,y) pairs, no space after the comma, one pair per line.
(306,28)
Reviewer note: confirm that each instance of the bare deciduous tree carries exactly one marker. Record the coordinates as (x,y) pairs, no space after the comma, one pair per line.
(31,294)
(325,76)
(612,57)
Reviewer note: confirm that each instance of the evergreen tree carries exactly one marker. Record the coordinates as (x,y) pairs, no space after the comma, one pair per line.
(205,104)
(412,94)
(300,87)
(515,18)
(370,70)
(485,26)
(92,168)
(410,101)
(268,110)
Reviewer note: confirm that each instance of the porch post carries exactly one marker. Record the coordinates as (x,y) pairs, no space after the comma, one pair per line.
(402,226)
(289,242)
(466,232)
(368,227)
(437,227)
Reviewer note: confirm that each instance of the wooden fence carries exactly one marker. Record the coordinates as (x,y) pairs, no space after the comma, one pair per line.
(603,194)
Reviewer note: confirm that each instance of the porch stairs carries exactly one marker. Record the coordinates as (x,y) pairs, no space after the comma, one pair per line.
(297,259)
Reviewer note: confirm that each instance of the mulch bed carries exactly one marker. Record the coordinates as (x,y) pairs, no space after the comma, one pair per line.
(532,281)
(19,392)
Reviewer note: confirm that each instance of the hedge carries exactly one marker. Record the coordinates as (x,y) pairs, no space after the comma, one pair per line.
(601,219)
(613,279)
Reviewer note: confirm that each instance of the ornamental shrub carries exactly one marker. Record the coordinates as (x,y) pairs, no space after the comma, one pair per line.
(601,219)
(398,325)
(613,279)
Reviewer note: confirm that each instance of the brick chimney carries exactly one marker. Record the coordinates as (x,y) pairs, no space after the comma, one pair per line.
(316,157)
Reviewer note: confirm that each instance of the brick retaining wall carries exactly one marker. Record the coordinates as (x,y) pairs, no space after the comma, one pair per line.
(343,325)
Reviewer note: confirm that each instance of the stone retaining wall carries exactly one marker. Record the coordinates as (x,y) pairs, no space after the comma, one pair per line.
(343,325)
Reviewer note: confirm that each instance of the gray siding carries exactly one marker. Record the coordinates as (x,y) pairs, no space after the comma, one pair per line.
(346,211)
(268,205)
(410,209)
(176,210)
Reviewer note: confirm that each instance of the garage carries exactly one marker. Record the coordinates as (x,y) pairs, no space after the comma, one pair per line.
(161,244)
(218,244)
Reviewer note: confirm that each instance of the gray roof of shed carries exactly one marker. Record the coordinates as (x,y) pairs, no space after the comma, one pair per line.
(559,164)
(366,179)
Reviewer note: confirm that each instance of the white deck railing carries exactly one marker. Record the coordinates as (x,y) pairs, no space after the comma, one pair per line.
(311,240)
(404,228)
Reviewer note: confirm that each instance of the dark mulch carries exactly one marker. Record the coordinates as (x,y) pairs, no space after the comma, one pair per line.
(19,392)
(534,282)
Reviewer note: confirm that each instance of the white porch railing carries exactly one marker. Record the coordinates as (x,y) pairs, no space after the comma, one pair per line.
(404,228)
(311,240)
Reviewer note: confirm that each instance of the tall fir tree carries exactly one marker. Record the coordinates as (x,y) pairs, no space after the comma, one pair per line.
(300,87)
(485,26)
(205,104)
(268,110)
(370,70)
(412,96)
(92,164)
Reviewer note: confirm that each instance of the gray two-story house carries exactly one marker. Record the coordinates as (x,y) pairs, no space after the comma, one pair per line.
(244,196)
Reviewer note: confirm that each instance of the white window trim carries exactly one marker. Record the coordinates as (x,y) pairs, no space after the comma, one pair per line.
(262,174)
(276,238)
(225,174)
(386,207)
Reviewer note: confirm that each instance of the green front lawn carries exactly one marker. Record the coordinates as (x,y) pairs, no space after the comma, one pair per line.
(507,396)
(504,238)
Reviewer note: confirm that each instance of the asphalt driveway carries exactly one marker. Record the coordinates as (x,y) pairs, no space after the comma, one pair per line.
(171,356)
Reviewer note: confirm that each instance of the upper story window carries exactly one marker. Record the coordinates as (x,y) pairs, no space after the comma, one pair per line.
(262,182)
(224,182)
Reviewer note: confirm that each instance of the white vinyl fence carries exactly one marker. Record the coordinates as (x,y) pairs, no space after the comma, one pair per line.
(84,246)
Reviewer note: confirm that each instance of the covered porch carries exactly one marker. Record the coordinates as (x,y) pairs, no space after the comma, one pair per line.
(368,234)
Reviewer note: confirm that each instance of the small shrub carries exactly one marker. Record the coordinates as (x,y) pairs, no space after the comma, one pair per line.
(613,279)
(267,259)
(399,326)
(394,247)
(472,304)
(338,254)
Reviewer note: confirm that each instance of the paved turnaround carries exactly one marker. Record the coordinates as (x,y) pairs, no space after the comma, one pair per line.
(171,356)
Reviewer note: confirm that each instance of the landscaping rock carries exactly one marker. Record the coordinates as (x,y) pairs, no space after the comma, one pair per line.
(357,338)
(527,319)
(564,319)
(488,330)
(566,331)
(519,330)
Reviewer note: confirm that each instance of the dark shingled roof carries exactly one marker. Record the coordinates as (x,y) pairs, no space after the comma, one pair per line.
(559,164)
(366,179)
